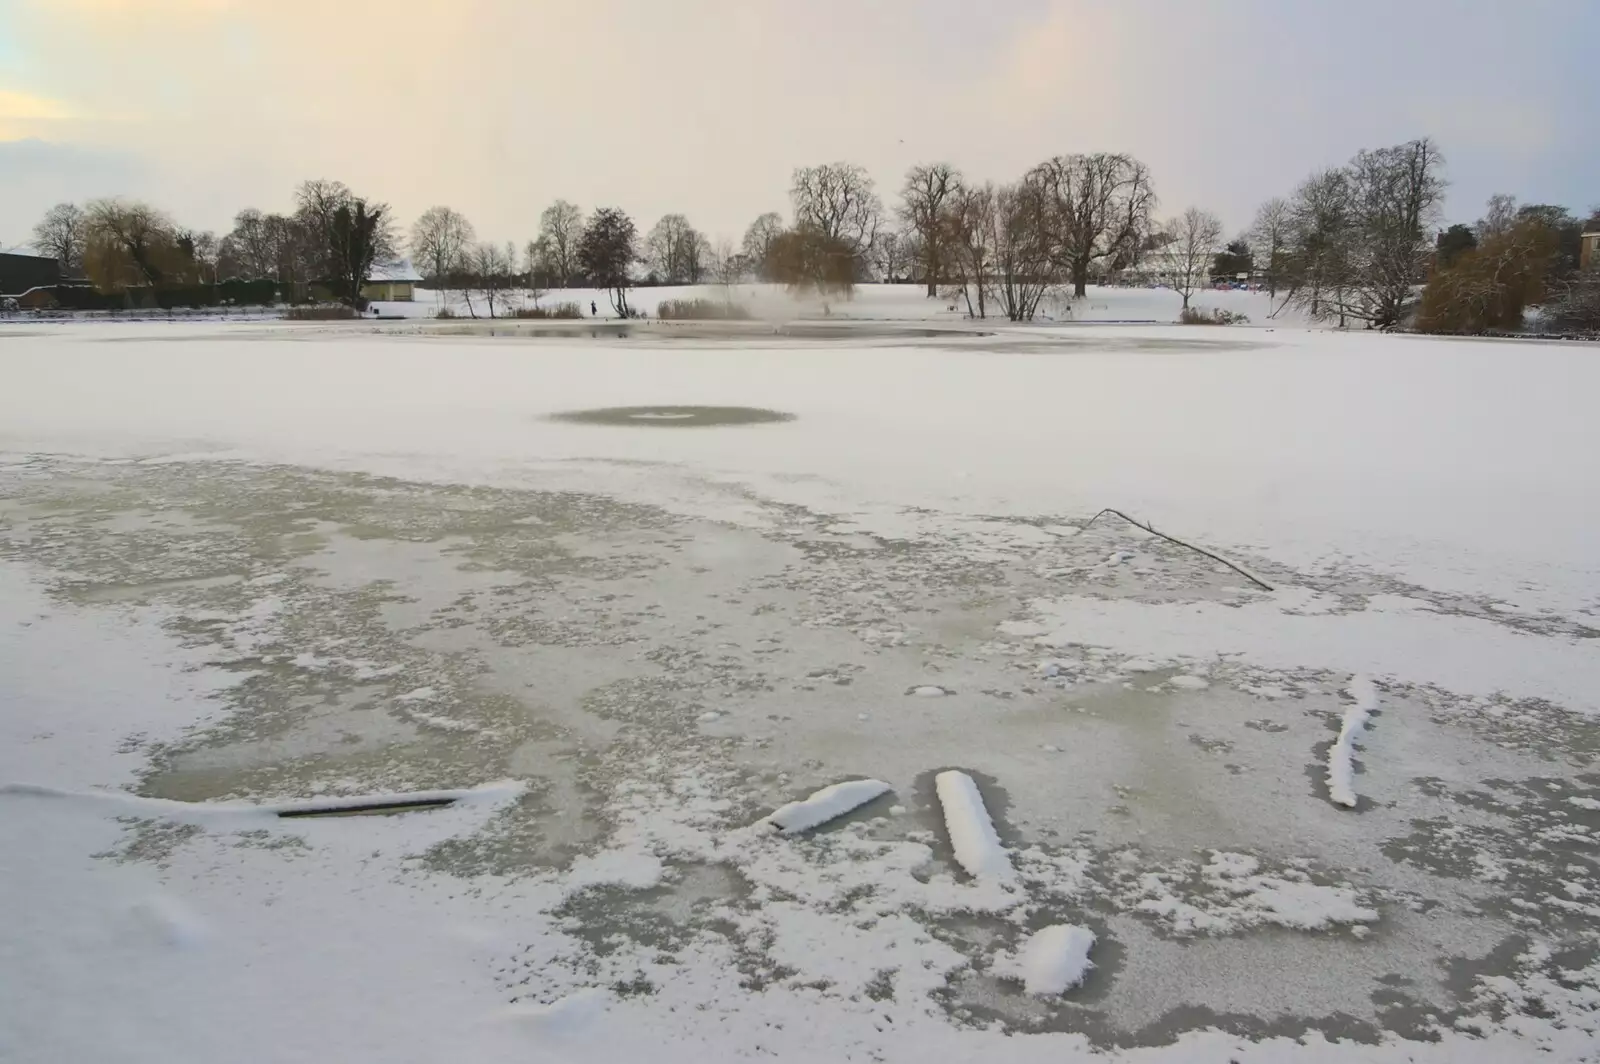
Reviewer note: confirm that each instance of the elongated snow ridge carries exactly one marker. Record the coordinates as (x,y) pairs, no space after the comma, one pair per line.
(824,805)
(972,833)
(1341,771)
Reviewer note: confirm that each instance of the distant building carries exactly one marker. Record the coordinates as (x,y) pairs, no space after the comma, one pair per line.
(394,282)
(1589,249)
(18,273)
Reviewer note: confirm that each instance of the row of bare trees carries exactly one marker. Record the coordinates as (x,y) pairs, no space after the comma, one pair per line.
(332,237)
(1005,247)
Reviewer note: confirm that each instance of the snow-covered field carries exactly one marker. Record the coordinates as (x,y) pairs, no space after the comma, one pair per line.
(836,736)
(873,302)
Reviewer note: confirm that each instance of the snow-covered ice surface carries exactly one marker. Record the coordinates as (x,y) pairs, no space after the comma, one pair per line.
(249,567)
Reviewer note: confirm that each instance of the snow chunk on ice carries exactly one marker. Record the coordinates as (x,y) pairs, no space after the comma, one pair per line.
(1053,960)
(421,694)
(1190,683)
(1584,803)
(1341,773)
(930,691)
(972,835)
(825,805)
(564,1016)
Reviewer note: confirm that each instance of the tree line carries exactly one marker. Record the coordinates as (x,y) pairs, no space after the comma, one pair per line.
(331,239)
(1362,243)
(1356,243)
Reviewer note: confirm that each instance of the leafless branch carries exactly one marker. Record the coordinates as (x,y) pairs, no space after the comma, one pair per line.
(1256,580)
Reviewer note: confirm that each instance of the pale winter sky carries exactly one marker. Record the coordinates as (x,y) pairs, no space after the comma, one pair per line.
(496,107)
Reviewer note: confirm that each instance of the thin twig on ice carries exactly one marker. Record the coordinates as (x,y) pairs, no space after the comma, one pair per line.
(1256,580)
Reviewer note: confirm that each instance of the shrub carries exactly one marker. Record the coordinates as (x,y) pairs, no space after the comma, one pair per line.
(444,312)
(320,313)
(560,310)
(1576,306)
(700,310)
(1215,316)
(1489,287)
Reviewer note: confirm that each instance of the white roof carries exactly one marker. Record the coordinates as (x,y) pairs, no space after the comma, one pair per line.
(399,270)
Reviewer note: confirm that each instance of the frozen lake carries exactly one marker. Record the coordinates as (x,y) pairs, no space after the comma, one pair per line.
(648,589)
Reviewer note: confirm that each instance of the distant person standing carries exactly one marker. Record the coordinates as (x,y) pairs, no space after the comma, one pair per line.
(594,311)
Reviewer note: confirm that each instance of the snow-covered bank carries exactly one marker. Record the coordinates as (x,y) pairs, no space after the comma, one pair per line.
(882,302)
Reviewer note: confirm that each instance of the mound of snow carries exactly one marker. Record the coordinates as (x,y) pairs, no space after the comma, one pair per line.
(825,805)
(1053,960)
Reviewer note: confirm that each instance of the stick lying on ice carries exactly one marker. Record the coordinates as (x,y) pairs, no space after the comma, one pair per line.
(825,805)
(1341,772)
(972,834)
(1256,580)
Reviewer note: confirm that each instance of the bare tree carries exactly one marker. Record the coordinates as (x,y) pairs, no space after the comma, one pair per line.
(758,242)
(927,195)
(1499,216)
(295,247)
(1194,237)
(60,236)
(968,237)
(253,244)
(675,251)
(1099,209)
(492,277)
(838,201)
(1397,194)
(440,239)
(1022,271)
(1268,238)
(889,254)
(1316,264)
(726,266)
(560,230)
(1359,234)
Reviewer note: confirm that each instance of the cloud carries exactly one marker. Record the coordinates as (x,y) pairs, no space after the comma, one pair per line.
(499,106)
(39,173)
(24,106)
